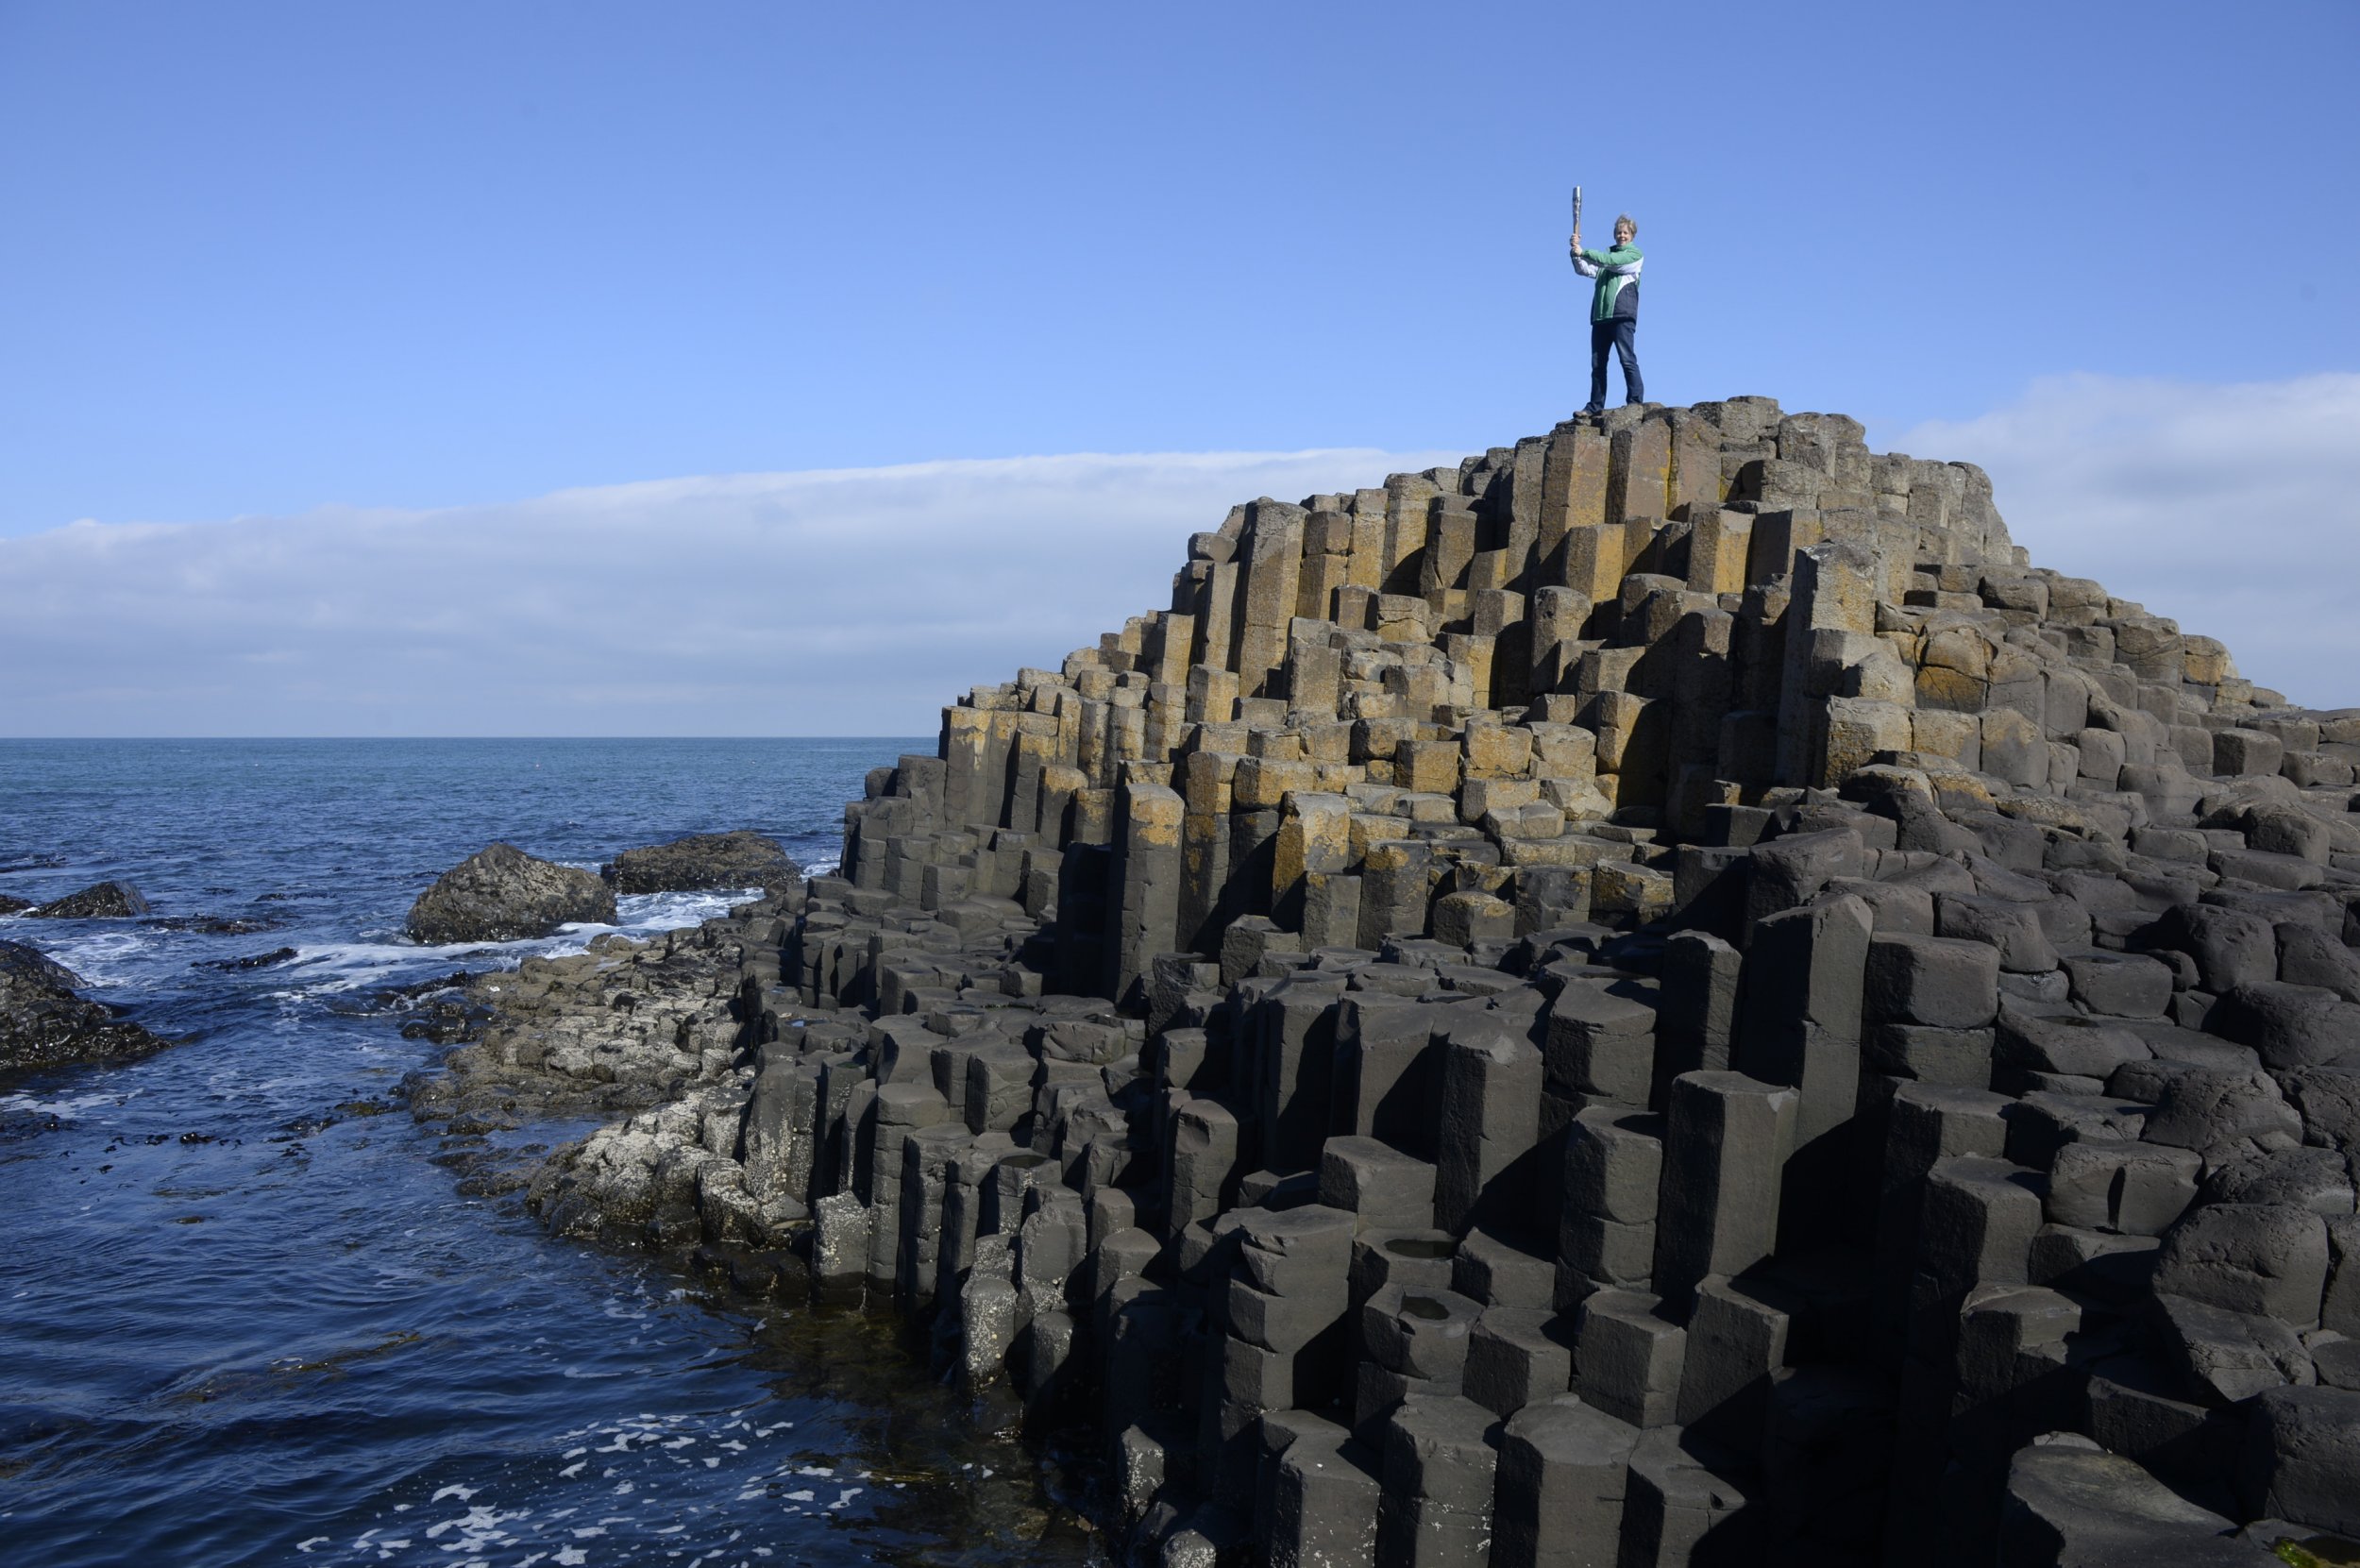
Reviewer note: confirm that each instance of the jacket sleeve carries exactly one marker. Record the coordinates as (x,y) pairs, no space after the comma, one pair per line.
(1583,265)
(1608,262)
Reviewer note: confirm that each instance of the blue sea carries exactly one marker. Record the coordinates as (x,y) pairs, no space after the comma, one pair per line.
(248,1314)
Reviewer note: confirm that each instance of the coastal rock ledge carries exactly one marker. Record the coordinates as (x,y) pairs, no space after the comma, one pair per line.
(1657,997)
(503,894)
(706,863)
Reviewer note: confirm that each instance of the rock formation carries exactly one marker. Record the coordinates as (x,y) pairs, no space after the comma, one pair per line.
(103,901)
(709,862)
(501,894)
(44,1023)
(1659,996)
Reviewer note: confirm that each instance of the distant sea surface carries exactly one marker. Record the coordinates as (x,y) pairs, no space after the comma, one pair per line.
(247,1317)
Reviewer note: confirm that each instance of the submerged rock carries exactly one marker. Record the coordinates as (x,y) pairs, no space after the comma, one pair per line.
(106,901)
(253,961)
(705,862)
(44,1022)
(13,906)
(503,895)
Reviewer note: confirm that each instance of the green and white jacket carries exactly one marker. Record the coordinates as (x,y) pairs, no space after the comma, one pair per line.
(1617,272)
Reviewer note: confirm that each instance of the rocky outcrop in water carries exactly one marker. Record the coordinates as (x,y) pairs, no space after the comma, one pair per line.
(103,901)
(625,1027)
(709,862)
(503,894)
(45,1022)
(1662,996)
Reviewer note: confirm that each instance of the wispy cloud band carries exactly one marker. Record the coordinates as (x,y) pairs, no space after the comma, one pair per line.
(851,601)
(856,601)
(2235,510)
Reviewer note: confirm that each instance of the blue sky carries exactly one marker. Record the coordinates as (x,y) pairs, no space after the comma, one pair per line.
(290,261)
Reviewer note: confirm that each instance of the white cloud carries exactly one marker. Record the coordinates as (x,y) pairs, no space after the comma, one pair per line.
(2232,509)
(858,601)
(851,601)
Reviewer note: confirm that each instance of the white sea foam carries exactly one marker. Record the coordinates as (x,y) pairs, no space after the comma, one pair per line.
(110,955)
(663,1491)
(328,968)
(65,1107)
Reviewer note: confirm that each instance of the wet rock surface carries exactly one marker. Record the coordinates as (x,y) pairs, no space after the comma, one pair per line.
(503,894)
(101,902)
(45,1021)
(1661,997)
(712,862)
(596,1036)
(251,961)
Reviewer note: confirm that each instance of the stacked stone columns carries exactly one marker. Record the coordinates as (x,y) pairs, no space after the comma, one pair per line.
(1657,995)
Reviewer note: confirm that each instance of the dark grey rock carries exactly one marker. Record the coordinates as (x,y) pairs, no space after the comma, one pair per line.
(44,1023)
(503,894)
(105,900)
(1420,1332)
(2030,1040)
(1385,1188)
(2303,1449)
(2339,1311)
(2308,956)
(1324,1493)
(2131,1189)
(2068,1502)
(1789,871)
(1628,1358)
(2227,1356)
(2248,1257)
(2230,946)
(1939,981)
(2317,1179)
(2120,985)
(1516,1355)
(2093,1265)
(1441,1461)
(1685,1506)
(2336,1360)
(2014,928)
(1563,1470)
(709,862)
(2291,1026)
(2329,1100)
(2205,1108)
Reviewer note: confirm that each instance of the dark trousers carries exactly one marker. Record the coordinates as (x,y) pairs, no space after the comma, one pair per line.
(1615,334)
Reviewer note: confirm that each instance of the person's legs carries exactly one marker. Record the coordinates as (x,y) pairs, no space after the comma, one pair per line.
(1601,337)
(1625,346)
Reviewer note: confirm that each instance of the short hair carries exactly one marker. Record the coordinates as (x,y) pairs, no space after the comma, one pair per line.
(1622,218)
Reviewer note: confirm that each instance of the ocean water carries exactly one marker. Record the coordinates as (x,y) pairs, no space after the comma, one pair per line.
(247,1313)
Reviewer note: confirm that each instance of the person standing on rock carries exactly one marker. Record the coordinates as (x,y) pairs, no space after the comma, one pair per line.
(1613,311)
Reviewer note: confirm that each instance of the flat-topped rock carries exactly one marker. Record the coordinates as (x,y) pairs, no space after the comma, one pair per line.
(709,862)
